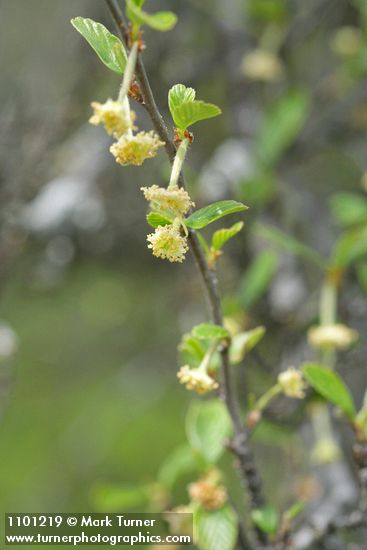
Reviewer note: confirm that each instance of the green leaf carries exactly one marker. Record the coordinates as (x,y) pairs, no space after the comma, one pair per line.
(179,94)
(329,384)
(361,269)
(257,278)
(268,10)
(159,21)
(107,46)
(207,427)
(185,110)
(289,243)
(155,219)
(193,349)
(294,510)
(221,236)
(282,125)
(188,113)
(208,331)
(350,247)
(216,530)
(243,343)
(108,498)
(349,208)
(266,519)
(180,462)
(203,217)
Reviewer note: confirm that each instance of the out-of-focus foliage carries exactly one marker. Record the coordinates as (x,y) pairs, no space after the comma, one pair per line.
(91,411)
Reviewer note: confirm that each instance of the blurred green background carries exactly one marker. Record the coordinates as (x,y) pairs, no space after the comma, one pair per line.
(90,396)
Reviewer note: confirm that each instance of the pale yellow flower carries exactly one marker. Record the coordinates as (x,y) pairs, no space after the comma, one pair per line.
(326,451)
(116,119)
(337,336)
(167,243)
(347,41)
(196,379)
(134,149)
(172,198)
(262,65)
(292,383)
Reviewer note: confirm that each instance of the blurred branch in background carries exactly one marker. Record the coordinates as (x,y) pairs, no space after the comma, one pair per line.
(290,77)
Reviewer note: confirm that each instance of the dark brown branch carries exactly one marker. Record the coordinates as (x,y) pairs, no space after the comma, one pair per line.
(239,445)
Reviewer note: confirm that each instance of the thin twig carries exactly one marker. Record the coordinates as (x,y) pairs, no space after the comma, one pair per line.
(239,445)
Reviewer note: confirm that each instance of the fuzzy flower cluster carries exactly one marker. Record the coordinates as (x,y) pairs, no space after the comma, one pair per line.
(292,383)
(118,121)
(262,65)
(172,200)
(208,492)
(196,379)
(135,149)
(337,336)
(167,243)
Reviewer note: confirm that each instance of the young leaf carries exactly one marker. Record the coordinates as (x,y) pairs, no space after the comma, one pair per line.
(289,243)
(221,236)
(193,348)
(185,110)
(349,208)
(207,331)
(244,342)
(216,530)
(329,384)
(203,217)
(107,46)
(266,519)
(282,125)
(155,219)
(179,94)
(207,427)
(257,278)
(159,21)
(193,111)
